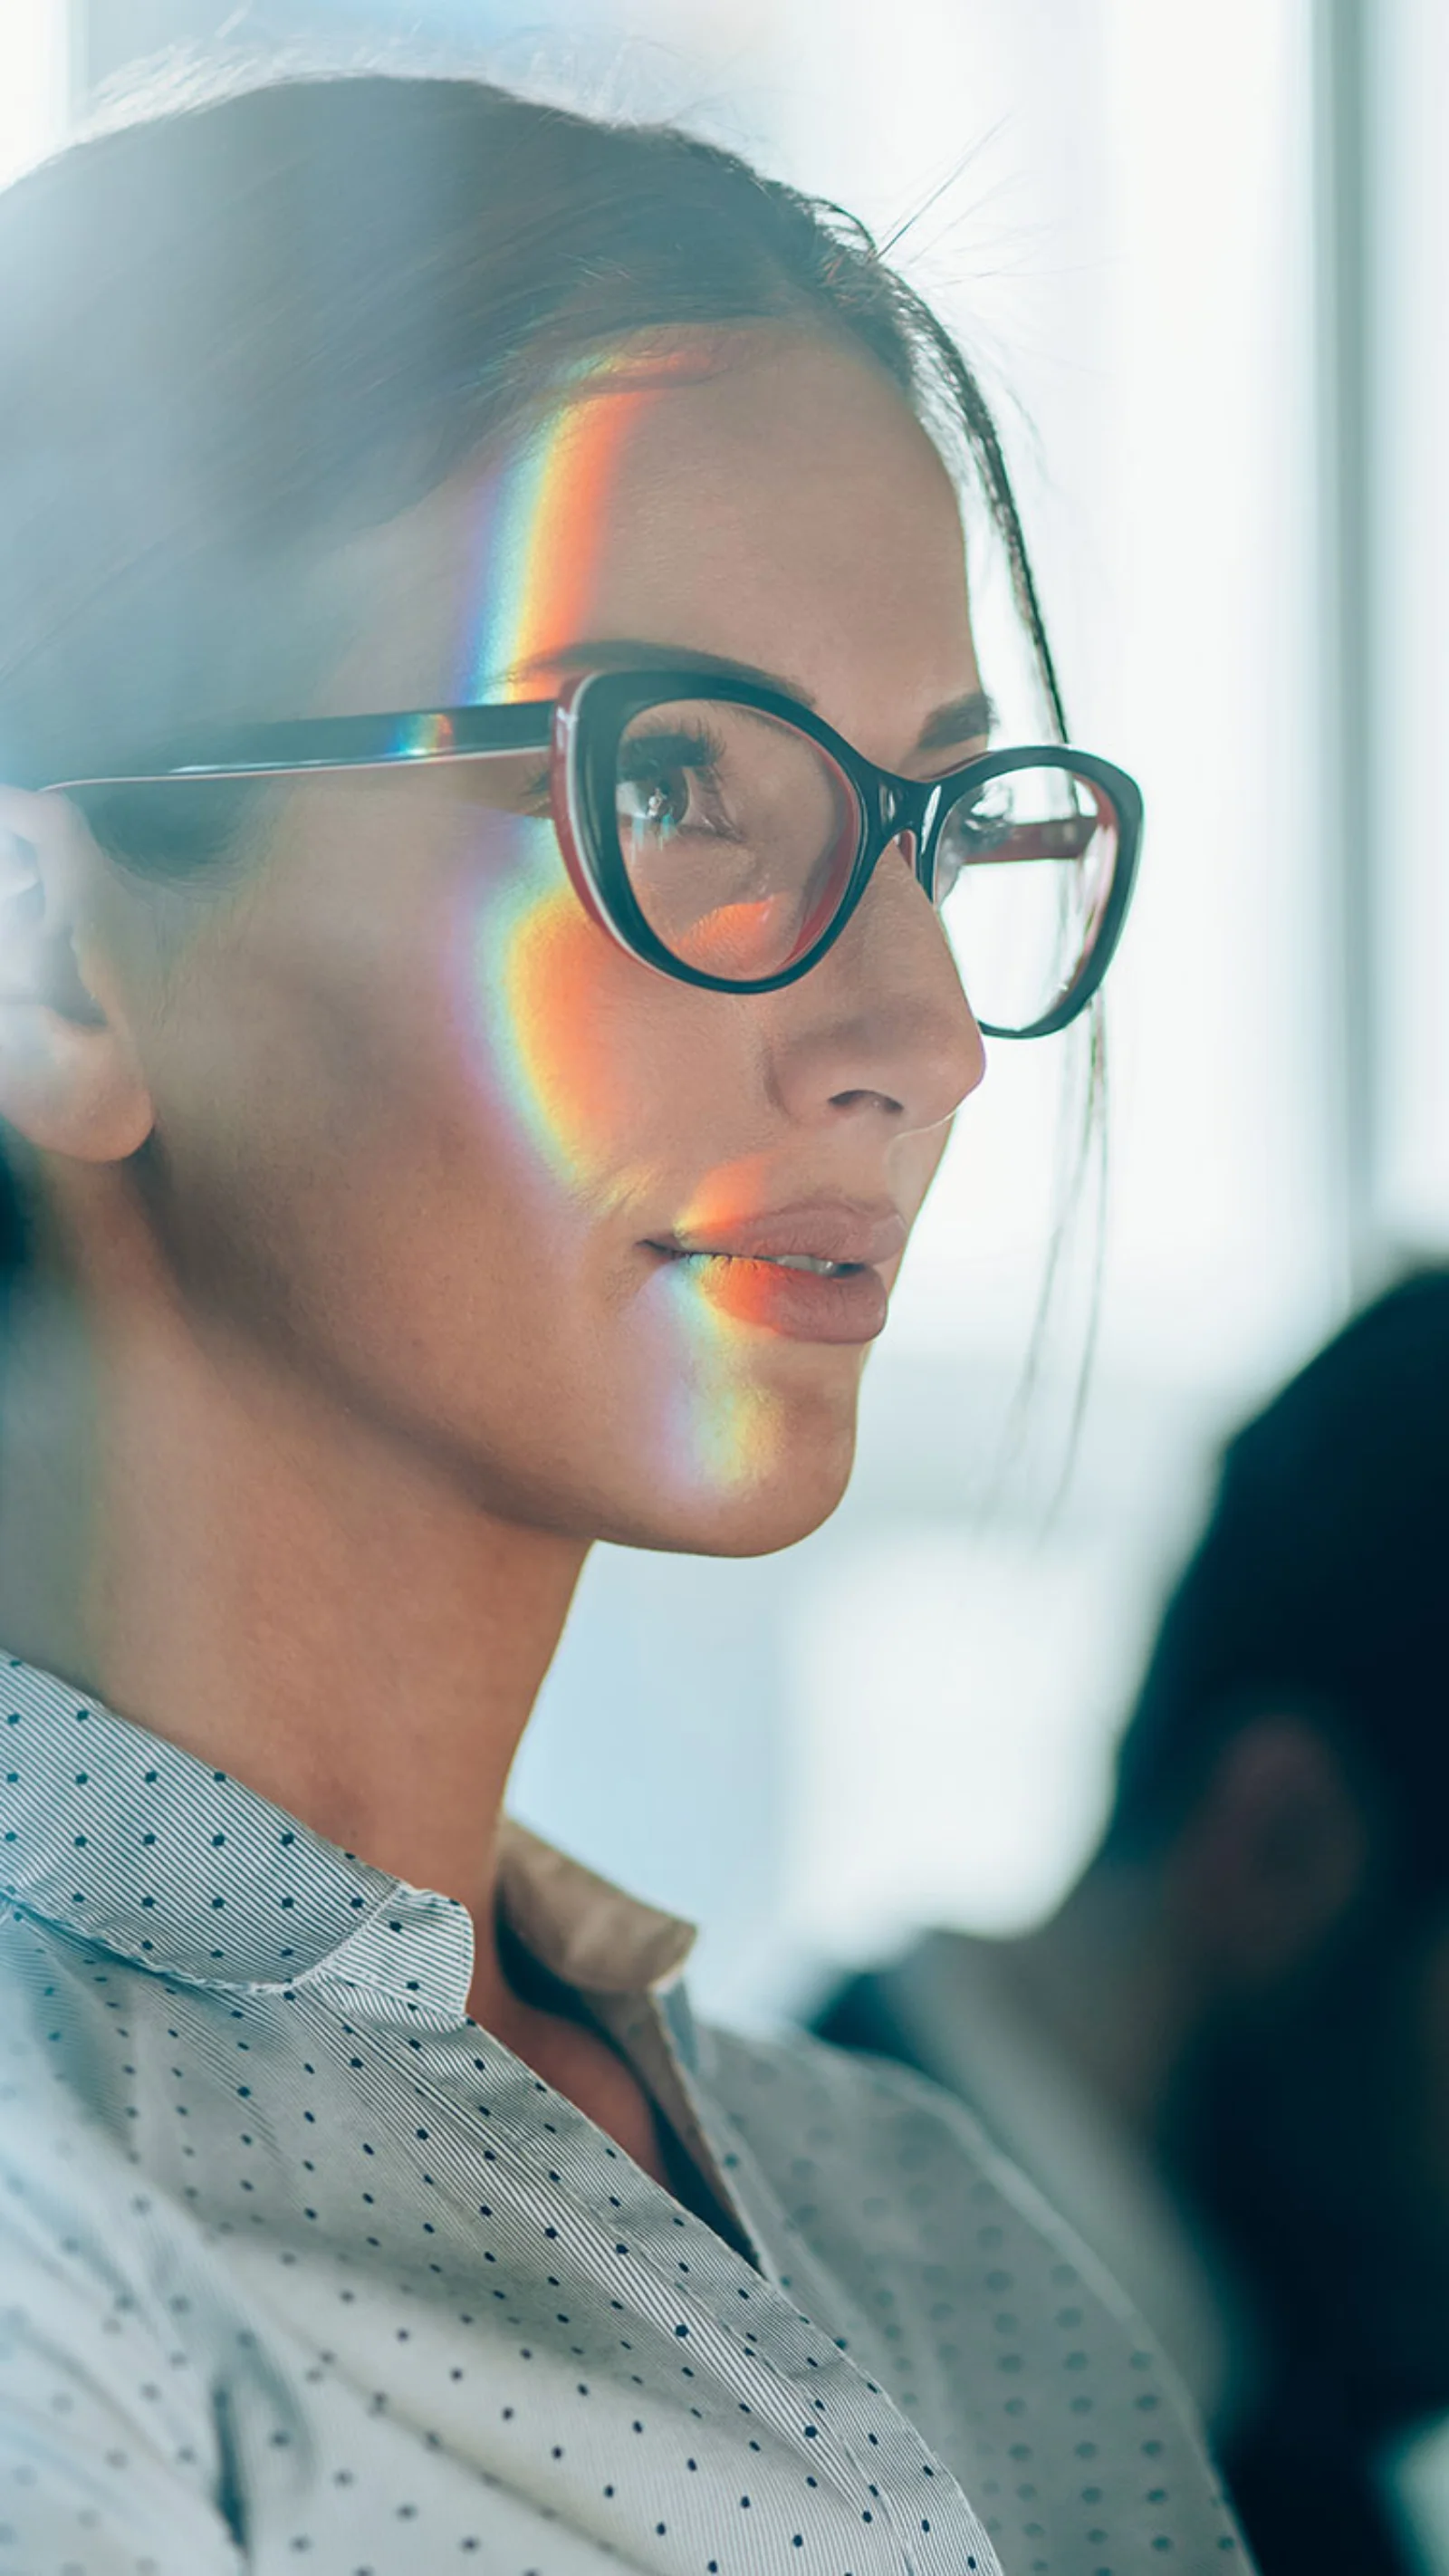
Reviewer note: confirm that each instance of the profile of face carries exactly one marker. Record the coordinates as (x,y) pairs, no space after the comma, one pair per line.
(426,1136)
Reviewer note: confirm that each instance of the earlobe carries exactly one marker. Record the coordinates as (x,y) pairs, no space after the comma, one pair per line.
(70,1082)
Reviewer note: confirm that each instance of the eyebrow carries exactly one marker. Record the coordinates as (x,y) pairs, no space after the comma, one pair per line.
(968,718)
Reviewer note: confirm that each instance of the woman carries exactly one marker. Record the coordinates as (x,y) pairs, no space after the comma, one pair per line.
(483,623)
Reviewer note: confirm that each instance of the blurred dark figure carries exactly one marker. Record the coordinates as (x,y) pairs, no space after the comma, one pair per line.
(1226,2059)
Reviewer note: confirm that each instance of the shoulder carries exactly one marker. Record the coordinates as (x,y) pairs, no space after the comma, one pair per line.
(110,2449)
(79,2227)
(104,2379)
(893,2167)
(957,2286)
(90,2242)
(866,2119)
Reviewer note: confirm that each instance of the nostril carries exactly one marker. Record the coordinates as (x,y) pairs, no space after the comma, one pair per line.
(867,1100)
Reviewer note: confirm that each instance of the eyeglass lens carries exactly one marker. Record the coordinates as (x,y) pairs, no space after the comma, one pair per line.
(1024,869)
(738,835)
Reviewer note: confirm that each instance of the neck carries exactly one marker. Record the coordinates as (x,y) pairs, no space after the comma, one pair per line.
(1109,1978)
(291,1593)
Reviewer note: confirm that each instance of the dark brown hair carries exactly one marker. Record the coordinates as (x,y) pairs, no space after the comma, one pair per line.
(235,331)
(1318,1590)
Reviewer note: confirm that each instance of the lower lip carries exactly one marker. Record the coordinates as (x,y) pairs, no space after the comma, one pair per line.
(804,1305)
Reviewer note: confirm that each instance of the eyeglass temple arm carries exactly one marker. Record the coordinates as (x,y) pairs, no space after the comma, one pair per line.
(1067,838)
(346,742)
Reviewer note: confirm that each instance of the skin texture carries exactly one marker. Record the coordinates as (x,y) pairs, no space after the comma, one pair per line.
(350,1332)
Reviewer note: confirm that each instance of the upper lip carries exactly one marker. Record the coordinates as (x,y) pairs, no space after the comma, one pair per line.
(825,1229)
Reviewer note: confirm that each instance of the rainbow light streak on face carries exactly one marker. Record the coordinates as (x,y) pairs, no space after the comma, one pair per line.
(726,1430)
(534,956)
(544,516)
(534,961)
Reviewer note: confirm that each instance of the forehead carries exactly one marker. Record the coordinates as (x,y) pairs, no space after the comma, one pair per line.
(764,497)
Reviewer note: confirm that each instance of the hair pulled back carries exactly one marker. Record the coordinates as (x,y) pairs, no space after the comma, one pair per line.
(234,332)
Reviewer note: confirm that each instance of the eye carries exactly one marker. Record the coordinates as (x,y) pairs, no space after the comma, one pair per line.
(670,782)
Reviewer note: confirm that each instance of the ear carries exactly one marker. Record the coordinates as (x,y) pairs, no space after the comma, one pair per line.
(1274,1855)
(70,1081)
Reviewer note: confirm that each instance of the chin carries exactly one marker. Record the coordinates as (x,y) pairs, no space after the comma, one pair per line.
(763,1506)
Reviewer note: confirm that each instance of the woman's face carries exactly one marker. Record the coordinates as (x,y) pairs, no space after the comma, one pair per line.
(429,1138)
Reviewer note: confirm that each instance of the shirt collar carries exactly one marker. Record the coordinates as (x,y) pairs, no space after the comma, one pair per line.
(125,1840)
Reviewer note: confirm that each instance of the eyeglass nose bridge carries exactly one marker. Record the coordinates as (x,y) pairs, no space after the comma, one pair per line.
(902,812)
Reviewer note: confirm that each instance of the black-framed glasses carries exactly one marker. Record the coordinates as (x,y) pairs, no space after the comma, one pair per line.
(723,833)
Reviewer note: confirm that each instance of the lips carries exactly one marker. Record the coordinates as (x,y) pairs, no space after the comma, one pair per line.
(810,1272)
(839,1231)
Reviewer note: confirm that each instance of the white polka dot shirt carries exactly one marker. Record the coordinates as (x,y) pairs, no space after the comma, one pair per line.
(300,2268)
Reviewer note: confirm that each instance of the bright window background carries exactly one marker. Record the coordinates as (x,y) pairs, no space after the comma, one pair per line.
(35,76)
(1409,290)
(1118,205)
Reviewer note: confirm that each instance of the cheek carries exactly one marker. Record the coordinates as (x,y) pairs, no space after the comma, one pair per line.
(599,1072)
(546,1025)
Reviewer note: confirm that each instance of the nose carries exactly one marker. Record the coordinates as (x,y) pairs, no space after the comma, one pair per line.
(881,1027)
